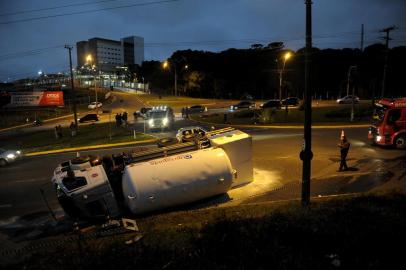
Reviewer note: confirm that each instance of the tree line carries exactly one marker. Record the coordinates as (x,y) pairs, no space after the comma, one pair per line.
(236,73)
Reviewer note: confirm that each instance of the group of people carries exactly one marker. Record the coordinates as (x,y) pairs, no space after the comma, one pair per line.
(121,119)
(59,133)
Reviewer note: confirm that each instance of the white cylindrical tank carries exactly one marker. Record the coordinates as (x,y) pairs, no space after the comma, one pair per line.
(175,180)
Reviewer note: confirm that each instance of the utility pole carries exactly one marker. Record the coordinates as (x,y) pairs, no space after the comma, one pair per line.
(176,80)
(362,38)
(386,38)
(306,154)
(72,86)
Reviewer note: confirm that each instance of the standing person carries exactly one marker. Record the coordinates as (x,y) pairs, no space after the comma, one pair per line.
(60,131)
(117,120)
(344,146)
(183,112)
(135,117)
(120,118)
(187,113)
(125,117)
(72,128)
(56,132)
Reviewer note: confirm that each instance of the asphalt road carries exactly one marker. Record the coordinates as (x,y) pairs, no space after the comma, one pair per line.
(277,167)
(275,157)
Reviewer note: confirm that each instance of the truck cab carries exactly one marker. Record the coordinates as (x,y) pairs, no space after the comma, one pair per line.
(389,127)
(161,117)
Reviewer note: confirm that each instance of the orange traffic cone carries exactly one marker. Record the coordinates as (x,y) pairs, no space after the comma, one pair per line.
(342,134)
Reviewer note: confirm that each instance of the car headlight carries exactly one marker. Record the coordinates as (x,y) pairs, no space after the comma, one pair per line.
(11,156)
(151,122)
(18,152)
(378,138)
(165,121)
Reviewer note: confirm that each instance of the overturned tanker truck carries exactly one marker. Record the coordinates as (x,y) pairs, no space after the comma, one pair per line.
(154,179)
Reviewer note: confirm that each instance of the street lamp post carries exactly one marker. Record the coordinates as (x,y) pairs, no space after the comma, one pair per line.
(166,66)
(348,91)
(285,58)
(89,60)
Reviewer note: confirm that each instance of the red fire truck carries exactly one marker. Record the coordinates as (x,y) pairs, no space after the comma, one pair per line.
(389,127)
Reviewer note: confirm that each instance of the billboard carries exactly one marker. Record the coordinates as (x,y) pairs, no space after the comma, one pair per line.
(36,99)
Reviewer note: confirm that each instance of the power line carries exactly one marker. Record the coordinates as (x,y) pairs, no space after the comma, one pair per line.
(28,53)
(56,7)
(89,11)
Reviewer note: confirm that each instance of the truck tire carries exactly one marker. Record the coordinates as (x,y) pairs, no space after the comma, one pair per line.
(400,142)
(3,162)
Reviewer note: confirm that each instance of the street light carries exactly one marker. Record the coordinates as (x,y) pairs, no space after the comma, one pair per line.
(285,58)
(166,64)
(89,60)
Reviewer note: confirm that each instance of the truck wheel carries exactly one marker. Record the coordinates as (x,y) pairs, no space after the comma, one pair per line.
(400,142)
(3,162)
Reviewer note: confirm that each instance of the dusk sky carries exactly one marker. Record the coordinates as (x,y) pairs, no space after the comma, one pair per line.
(167,26)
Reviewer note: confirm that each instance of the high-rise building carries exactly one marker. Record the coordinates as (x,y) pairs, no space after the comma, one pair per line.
(133,50)
(109,55)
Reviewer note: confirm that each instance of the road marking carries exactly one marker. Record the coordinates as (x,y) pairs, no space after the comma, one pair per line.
(6,205)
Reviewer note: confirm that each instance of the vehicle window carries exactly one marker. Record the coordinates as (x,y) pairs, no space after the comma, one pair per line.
(393,116)
(72,183)
(158,114)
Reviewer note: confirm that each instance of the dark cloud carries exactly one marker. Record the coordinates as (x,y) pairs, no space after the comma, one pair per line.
(336,24)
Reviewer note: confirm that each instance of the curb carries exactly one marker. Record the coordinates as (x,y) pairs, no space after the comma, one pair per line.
(92,147)
(283,127)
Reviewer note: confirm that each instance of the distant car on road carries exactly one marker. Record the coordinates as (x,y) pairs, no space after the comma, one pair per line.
(246,104)
(89,117)
(188,134)
(273,103)
(196,109)
(348,100)
(9,156)
(293,101)
(95,105)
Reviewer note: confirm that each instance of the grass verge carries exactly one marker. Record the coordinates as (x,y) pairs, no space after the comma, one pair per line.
(323,115)
(88,135)
(364,232)
(179,102)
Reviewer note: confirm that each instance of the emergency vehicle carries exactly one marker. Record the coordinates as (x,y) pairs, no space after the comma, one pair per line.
(389,127)
(160,117)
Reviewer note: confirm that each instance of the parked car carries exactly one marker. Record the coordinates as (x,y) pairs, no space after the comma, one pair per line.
(196,109)
(293,101)
(89,117)
(273,103)
(246,104)
(9,156)
(348,100)
(95,105)
(188,134)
